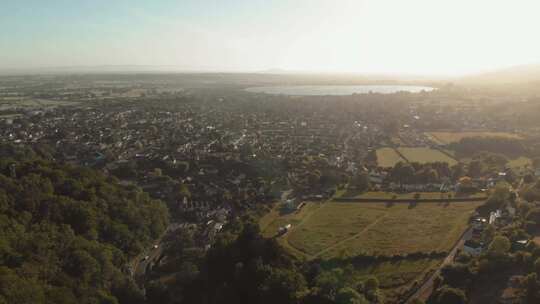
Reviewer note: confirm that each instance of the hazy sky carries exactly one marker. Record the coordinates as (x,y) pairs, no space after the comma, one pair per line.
(371,36)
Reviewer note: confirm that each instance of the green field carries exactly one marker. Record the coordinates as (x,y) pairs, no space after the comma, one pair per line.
(388,157)
(426,227)
(445,138)
(426,155)
(411,195)
(520,163)
(341,230)
(331,229)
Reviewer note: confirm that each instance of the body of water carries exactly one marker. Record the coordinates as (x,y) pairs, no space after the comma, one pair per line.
(321,90)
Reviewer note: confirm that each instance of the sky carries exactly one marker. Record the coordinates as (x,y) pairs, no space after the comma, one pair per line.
(418,37)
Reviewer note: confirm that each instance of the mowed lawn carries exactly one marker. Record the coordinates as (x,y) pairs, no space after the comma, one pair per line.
(451,137)
(404,229)
(388,157)
(426,155)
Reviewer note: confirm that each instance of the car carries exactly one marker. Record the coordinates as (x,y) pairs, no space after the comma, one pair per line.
(155,246)
(146,258)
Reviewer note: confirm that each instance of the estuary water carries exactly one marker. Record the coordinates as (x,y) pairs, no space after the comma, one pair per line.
(321,90)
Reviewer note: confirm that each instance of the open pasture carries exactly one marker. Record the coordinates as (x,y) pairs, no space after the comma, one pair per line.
(445,138)
(425,155)
(388,157)
(332,229)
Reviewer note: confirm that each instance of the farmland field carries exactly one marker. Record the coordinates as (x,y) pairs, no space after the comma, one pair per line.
(388,157)
(426,155)
(445,138)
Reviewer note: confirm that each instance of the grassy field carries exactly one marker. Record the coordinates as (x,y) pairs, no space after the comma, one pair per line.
(274,219)
(445,138)
(388,157)
(329,226)
(426,155)
(340,230)
(411,195)
(332,229)
(520,163)
(425,227)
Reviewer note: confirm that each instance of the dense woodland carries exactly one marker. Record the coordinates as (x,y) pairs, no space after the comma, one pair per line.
(67,234)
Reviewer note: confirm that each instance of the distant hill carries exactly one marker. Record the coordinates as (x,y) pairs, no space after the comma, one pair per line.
(513,75)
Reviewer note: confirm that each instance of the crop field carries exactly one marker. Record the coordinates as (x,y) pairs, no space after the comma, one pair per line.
(445,138)
(332,229)
(388,157)
(426,155)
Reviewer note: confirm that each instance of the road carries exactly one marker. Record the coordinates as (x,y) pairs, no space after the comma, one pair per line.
(426,289)
(140,265)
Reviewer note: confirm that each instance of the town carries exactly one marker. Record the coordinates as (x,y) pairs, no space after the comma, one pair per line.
(216,153)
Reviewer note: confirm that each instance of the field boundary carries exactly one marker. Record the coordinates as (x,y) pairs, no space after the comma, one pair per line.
(415,293)
(401,154)
(405,200)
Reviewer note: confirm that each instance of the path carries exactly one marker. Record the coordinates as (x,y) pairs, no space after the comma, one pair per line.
(349,238)
(426,289)
(302,221)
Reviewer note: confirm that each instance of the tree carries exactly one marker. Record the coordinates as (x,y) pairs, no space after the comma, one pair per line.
(371,284)
(360,181)
(537,265)
(499,247)
(329,282)
(475,168)
(371,289)
(283,286)
(402,172)
(70,234)
(534,215)
(448,295)
(456,275)
(348,295)
(532,292)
